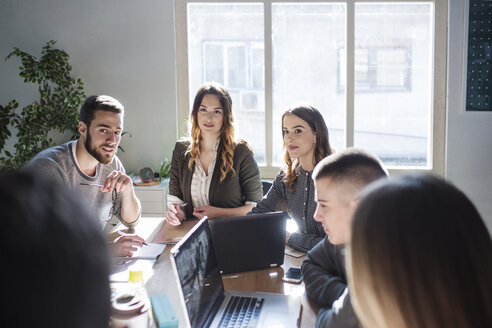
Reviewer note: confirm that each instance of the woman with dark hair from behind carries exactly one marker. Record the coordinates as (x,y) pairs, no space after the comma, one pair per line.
(305,138)
(55,259)
(420,256)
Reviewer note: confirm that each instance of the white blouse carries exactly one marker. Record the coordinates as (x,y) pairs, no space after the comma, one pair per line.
(200,183)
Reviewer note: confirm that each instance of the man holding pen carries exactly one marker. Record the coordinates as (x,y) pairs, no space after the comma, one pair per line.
(90,167)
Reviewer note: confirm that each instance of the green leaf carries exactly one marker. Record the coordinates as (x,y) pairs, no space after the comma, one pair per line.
(60,97)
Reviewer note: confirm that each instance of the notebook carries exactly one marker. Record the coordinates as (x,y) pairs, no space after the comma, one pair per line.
(208,304)
(251,242)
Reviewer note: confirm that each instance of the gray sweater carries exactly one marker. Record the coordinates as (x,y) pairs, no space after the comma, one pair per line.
(60,164)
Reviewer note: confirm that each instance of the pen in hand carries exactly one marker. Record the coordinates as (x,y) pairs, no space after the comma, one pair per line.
(181,207)
(121,233)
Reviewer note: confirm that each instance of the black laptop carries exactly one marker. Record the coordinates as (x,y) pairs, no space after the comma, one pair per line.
(208,304)
(251,242)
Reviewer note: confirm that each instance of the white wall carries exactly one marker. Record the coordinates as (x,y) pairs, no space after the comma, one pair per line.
(124,48)
(469,134)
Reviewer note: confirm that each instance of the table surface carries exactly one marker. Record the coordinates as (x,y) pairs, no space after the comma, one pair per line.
(163,280)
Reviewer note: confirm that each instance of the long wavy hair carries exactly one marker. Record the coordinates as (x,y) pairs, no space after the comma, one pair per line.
(315,120)
(226,141)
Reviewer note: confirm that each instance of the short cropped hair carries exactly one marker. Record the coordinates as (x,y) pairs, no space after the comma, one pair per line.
(55,259)
(99,102)
(354,166)
(420,256)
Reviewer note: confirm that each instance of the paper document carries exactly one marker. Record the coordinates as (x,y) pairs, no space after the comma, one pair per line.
(151,251)
(293,252)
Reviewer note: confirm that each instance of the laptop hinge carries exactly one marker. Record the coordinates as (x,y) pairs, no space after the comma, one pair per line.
(213,311)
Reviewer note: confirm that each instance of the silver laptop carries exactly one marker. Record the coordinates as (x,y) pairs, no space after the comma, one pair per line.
(250,242)
(208,304)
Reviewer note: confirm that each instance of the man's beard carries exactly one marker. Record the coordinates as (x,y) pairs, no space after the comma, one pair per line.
(94,153)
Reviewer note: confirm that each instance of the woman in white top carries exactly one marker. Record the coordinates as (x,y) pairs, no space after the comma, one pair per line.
(212,174)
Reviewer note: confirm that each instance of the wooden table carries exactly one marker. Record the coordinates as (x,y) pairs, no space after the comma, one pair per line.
(163,280)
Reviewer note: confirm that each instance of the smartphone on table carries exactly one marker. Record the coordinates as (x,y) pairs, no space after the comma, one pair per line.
(293,275)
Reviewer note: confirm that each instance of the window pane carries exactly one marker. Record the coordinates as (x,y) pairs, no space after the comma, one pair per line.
(214,57)
(236,67)
(306,40)
(258,66)
(393,83)
(225,44)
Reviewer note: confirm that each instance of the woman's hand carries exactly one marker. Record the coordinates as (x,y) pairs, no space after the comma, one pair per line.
(175,215)
(209,211)
(126,245)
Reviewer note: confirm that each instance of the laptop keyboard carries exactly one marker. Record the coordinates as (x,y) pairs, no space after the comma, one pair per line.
(241,312)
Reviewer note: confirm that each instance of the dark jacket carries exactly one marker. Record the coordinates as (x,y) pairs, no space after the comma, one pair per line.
(233,191)
(325,279)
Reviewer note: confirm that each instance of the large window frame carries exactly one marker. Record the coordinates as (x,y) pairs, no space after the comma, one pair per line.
(268,171)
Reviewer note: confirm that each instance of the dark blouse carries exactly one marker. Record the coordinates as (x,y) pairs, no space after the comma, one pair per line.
(300,205)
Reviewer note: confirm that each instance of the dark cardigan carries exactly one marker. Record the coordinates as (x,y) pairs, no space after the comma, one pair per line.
(233,191)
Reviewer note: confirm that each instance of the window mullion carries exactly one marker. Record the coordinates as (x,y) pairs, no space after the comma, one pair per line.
(182,78)
(267,16)
(350,85)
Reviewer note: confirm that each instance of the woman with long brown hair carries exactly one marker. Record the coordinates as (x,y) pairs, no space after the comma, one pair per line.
(305,138)
(420,256)
(212,174)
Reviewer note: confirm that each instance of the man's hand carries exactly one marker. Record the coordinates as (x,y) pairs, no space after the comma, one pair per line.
(119,181)
(287,236)
(122,183)
(175,215)
(209,211)
(126,245)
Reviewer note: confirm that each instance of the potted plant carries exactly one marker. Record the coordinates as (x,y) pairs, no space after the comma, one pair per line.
(164,170)
(60,97)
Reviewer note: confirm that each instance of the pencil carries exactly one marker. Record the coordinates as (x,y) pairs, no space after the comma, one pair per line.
(92,184)
(300,317)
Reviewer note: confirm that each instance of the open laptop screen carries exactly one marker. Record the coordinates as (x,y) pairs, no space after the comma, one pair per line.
(198,273)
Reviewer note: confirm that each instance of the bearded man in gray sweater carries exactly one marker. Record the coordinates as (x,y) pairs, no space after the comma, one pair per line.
(90,167)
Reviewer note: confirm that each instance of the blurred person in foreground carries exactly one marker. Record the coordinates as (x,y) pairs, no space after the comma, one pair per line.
(55,269)
(420,256)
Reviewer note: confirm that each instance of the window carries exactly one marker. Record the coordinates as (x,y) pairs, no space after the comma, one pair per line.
(379,66)
(389,99)
(239,65)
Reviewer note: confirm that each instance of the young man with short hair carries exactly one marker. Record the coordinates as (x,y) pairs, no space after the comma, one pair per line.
(90,167)
(338,179)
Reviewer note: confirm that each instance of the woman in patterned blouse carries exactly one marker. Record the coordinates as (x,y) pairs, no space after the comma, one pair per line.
(305,137)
